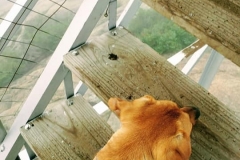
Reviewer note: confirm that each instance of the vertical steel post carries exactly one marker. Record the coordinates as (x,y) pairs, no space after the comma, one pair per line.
(194,59)
(129,12)
(211,69)
(68,84)
(112,12)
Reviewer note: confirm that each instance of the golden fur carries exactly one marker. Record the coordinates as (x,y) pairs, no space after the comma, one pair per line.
(150,130)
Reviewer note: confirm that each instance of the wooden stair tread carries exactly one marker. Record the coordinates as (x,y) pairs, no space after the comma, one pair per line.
(120,65)
(68,132)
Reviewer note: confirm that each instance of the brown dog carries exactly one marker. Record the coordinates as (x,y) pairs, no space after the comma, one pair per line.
(151,130)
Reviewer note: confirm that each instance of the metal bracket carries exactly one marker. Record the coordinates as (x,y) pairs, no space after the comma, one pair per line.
(112,12)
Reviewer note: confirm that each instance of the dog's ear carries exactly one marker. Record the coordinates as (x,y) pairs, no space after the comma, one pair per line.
(114,105)
(193,113)
(148,99)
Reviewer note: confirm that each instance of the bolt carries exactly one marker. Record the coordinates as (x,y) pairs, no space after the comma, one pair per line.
(114,33)
(75,53)
(69,102)
(2,148)
(106,14)
(27,126)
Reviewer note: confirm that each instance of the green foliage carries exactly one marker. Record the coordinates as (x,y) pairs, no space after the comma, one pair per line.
(160,33)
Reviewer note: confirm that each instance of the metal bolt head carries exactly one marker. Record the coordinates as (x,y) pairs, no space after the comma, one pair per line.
(106,14)
(75,53)
(2,148)
(114,33)
(69,102)
(27,126)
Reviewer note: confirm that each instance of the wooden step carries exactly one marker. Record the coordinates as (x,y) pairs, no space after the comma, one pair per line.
(117,64)
(74,132)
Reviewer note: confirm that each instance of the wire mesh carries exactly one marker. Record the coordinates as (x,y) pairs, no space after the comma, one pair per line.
(28,49)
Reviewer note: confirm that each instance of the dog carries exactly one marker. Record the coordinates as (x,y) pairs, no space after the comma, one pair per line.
(150,130)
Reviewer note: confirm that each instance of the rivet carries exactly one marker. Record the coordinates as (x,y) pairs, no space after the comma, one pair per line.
(27,126)
(106,14)
(2,148)
(69,102)
(114,33)
(75,53)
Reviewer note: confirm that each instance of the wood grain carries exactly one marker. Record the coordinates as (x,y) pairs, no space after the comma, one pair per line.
(193,48)
(216,22)
(136,70)
(68,132)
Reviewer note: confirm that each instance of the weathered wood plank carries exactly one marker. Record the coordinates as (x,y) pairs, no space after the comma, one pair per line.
(216,22)
(123,66)
(68,132)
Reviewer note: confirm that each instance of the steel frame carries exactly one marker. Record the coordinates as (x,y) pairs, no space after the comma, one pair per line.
(112,13)
(194,59)
(211,69)
(55,72)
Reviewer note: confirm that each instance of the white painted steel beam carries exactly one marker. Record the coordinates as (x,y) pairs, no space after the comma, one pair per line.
(211,69)
(53,74)
(17,14)
(81,88)
(112,12)
(68,84)
(194,59)
(88,18)
(176,58)
(129,12)
(29,151)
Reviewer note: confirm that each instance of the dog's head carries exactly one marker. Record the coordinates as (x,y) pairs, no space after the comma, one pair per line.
(164,125)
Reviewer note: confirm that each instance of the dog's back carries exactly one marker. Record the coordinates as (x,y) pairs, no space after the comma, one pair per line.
(151,130)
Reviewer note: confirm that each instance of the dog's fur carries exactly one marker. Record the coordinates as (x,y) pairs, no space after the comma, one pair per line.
(150,130)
